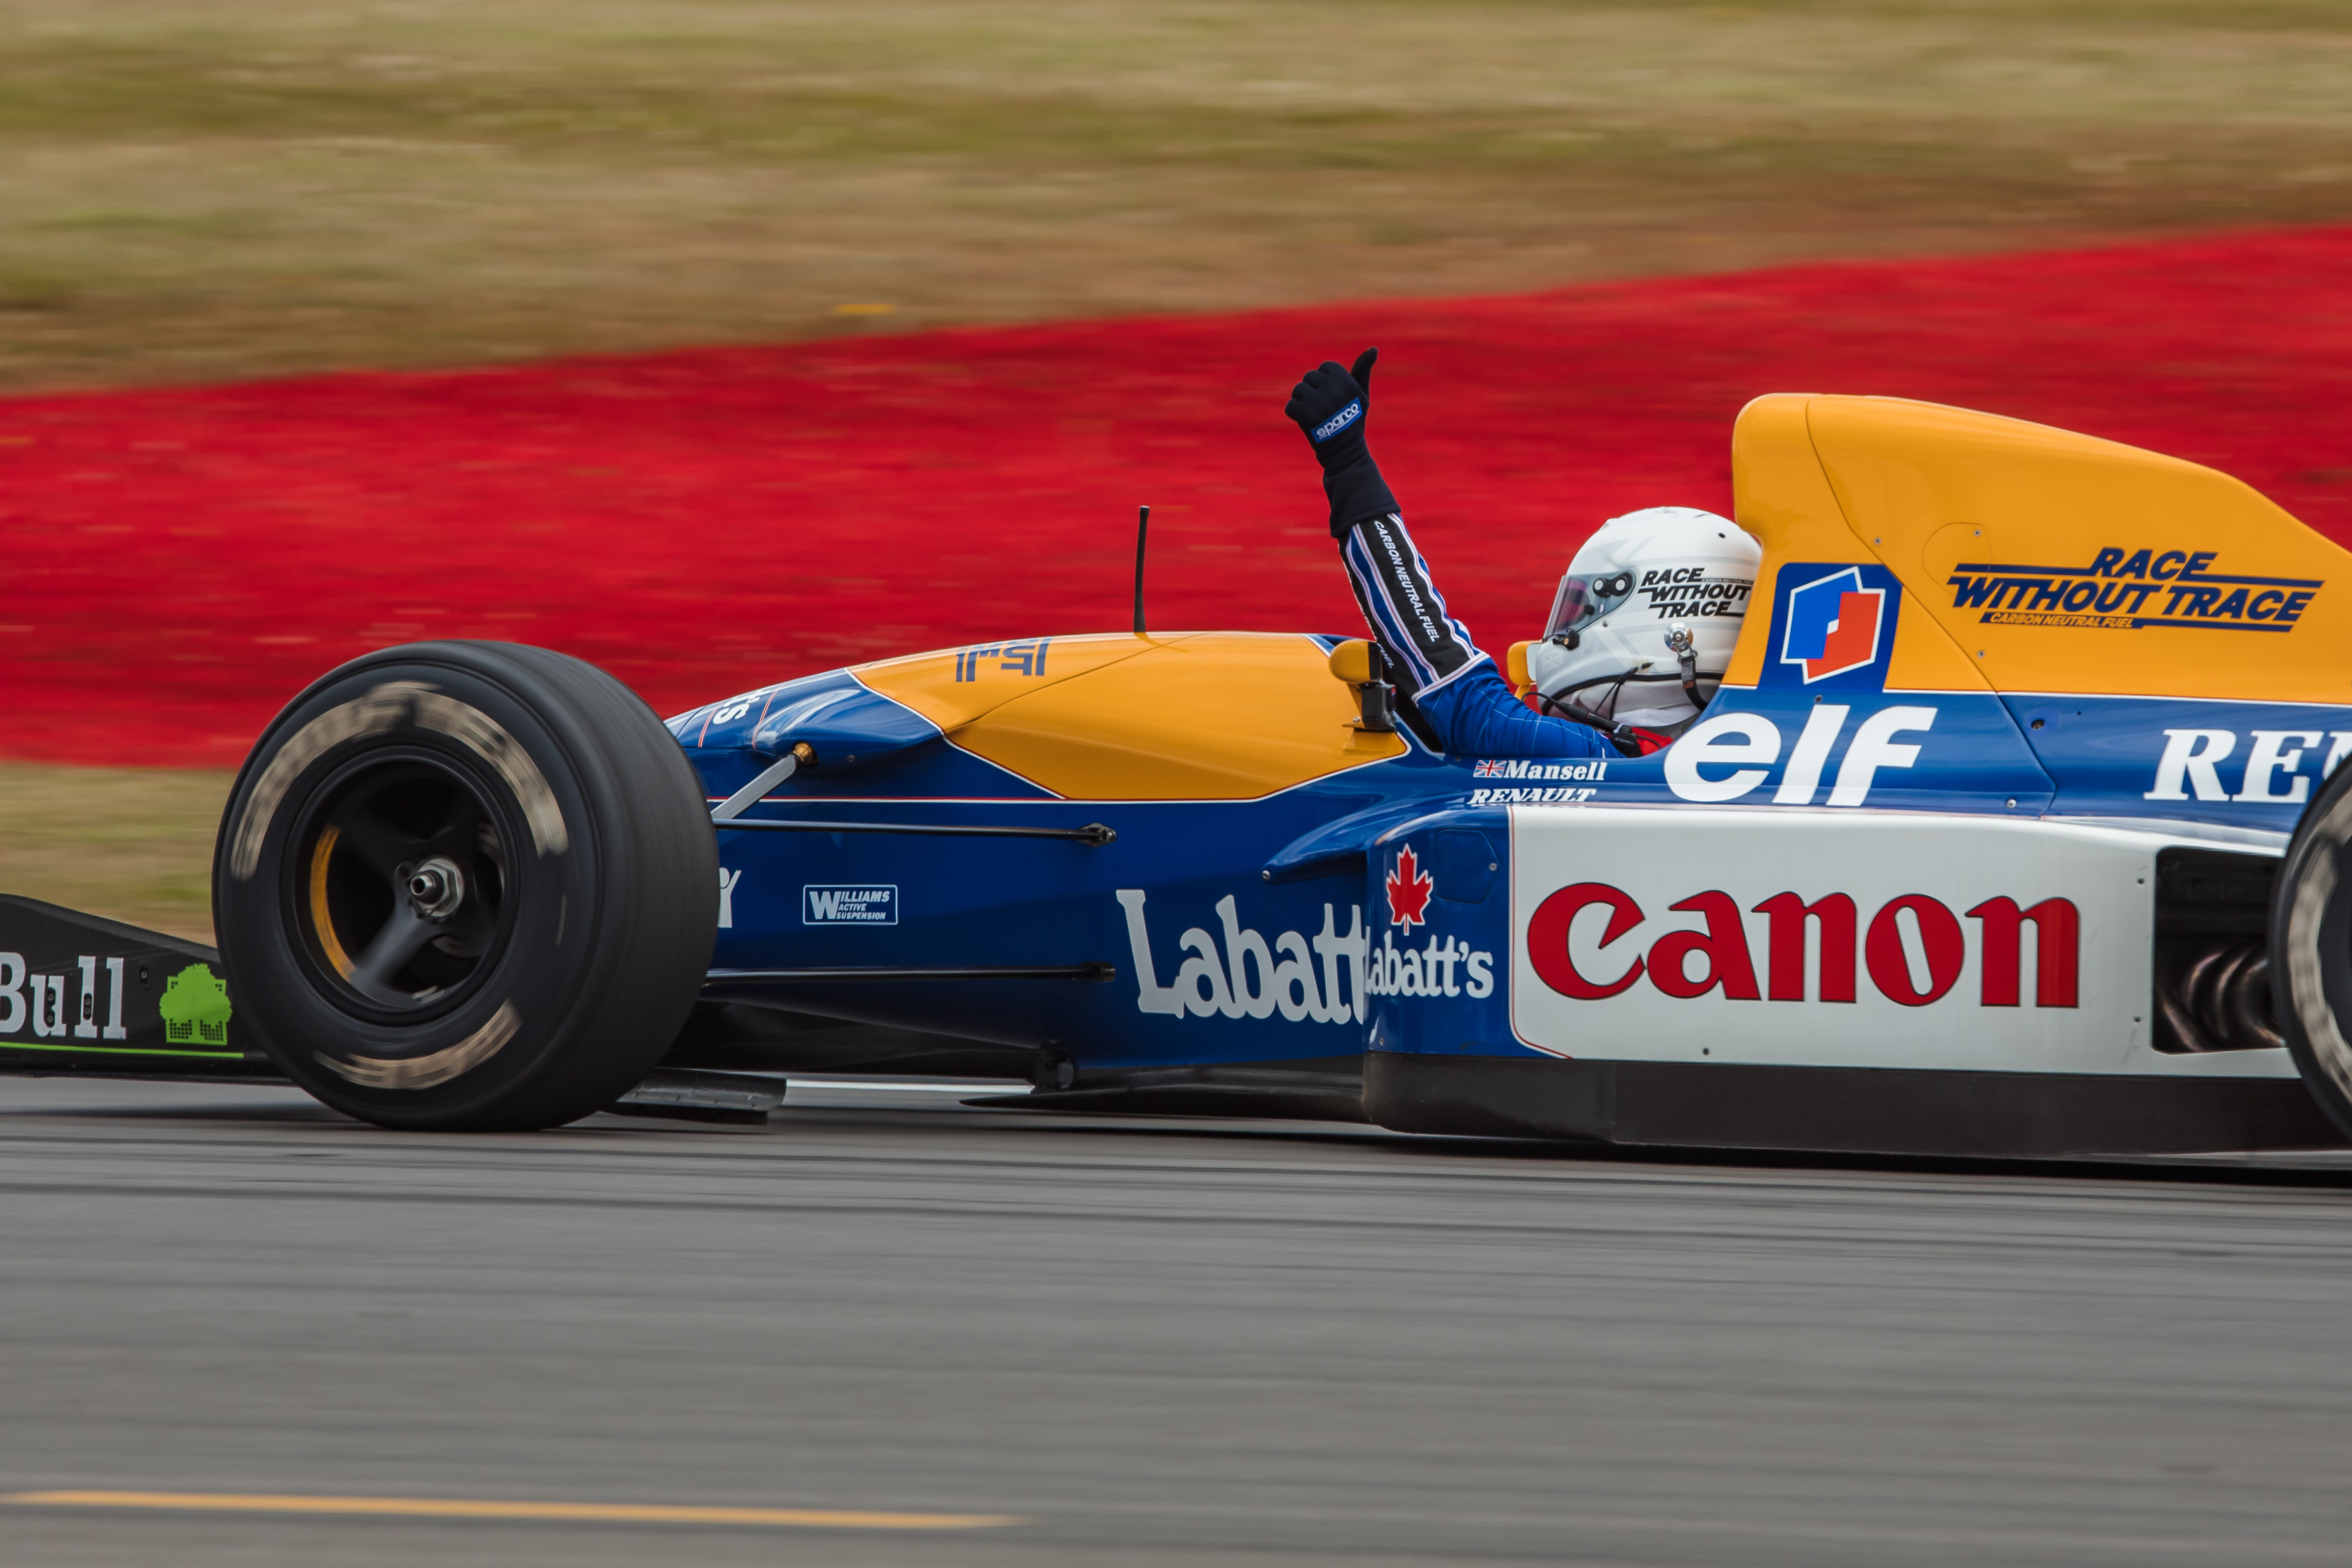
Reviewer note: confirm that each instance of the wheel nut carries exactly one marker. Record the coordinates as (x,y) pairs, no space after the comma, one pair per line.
(436,888)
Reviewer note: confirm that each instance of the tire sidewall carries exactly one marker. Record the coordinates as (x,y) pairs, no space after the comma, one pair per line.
(459,1065)
(2311,948)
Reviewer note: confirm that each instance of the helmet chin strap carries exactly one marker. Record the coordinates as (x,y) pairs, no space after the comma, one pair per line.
(1567,705)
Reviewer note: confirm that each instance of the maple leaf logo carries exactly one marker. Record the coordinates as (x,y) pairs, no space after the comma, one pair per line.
(1409,888)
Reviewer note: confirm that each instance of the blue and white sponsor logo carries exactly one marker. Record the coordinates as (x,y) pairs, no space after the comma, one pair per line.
(1832,627)
(1594,768)
(1728,740)
(1548,793)
(2273,772)
(849,904)
(1340,421)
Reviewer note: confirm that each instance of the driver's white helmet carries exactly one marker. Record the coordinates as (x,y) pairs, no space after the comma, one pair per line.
(1654,597)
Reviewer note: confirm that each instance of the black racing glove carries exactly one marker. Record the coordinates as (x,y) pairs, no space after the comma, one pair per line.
(1330,406)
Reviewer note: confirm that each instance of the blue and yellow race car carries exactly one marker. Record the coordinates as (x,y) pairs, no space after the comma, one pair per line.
(2015,827)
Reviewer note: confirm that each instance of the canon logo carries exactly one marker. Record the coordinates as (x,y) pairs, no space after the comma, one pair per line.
(1934,937)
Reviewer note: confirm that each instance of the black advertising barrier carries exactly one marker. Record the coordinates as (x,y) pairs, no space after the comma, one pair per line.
(87,996)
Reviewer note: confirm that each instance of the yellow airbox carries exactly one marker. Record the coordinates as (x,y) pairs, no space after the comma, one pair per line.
(2033,559)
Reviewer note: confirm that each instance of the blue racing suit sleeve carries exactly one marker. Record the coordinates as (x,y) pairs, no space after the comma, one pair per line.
(1475,715)
(1452,683)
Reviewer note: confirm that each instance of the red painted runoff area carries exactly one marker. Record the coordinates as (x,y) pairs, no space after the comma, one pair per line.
(174,564)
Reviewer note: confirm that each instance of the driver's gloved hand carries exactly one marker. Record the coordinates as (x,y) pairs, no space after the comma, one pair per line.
(1330,406)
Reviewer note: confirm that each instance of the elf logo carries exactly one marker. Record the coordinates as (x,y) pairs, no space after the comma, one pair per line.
(1833,625)
(1912,950)
(1728,756)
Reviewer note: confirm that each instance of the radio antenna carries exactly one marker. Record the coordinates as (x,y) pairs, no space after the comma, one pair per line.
(1142,527)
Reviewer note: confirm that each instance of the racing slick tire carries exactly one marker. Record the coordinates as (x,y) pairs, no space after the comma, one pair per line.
(466,886)
(2311,948)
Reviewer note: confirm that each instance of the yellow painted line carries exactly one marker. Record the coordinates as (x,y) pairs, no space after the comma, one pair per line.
(468,1508)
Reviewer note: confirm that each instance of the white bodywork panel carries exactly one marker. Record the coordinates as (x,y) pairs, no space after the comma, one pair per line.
(1650,859)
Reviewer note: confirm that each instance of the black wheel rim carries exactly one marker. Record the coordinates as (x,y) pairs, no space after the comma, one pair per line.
(400,886)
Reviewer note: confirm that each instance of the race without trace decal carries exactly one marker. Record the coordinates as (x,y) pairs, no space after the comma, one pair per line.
(2127,590)
(1689,592)
(849,904)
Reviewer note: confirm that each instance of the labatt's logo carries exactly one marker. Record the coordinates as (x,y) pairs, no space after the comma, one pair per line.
(1322,979)
(1431,969)
(1251,977)
(1914,967)
(2128,590)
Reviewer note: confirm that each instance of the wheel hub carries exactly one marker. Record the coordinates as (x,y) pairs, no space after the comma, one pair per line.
(404,887)
(435,888)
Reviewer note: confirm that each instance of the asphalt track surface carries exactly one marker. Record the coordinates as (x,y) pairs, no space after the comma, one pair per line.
(1169,1343)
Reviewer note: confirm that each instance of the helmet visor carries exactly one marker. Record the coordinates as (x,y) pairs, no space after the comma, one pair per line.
(1584,600)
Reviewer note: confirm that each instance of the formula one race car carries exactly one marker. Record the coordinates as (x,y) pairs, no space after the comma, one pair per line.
(2015,827)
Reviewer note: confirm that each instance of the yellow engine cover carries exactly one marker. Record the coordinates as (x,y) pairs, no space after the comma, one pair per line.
(2044,560)
(1175,716)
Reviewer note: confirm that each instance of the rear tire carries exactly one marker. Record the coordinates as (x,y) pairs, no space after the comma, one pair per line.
(2311,948)
(466,886)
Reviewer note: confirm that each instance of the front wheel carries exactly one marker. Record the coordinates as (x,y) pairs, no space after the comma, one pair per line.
(466,886)
(2311,948)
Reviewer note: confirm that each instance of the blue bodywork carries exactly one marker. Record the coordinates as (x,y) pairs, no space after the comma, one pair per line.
(1260,931)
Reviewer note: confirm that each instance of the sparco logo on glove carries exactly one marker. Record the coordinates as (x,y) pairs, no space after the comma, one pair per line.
(1340,421)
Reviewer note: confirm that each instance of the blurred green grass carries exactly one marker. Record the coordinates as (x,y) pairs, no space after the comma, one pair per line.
(242,187)
(131,844)
(213,189)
